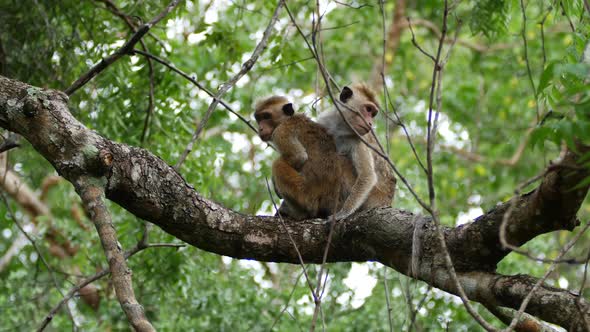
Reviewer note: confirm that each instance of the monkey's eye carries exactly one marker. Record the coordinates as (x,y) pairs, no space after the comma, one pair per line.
(371,110)
(262,116)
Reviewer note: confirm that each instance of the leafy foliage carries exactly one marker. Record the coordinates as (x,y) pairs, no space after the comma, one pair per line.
(488,109)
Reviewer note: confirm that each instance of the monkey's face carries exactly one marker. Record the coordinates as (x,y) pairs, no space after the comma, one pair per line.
(360,110)
(266,125)
(270,117)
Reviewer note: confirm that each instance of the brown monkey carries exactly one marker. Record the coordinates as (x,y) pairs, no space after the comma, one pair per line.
(374,182)
(307,175)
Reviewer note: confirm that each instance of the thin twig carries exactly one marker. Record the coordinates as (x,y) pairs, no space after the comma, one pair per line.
(416,43)
(526,57)
(382,71)
(387,300)
(380,152)
(399,121)
(581,292)
(197,84)
(416,22)
(301,262)
(351,6)
(431,133)
(150,108)
(551,268)
(110,6)
(246,67)
(95,277)
(564,12)
(318,299)
(127,48)
(287,302)
(41,256)
(318,48)
(311,48)
(414,313)
(542,24)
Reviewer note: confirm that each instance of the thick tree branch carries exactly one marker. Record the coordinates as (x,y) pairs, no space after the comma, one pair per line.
(551,206)
(150,189)
(91,191)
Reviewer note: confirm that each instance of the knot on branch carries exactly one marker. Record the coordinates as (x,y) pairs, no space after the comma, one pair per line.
(98,160)
(248,64)
(31,107)
(33,100)
(106,158)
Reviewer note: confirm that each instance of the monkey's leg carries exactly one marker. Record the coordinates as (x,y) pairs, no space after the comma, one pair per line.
(288,210)
(291,185)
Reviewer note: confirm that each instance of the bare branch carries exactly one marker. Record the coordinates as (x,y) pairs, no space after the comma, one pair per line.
(94,204)
(564,12)
(473,46)
(301,262)
(127,48)
(391,41)
(84,283)
(274,323)
(197,84)
(416,43)
(526,323)
(436,85)
(20,227)
(539,282)
(387,300)
(352,6)
(246,67)
(526,57)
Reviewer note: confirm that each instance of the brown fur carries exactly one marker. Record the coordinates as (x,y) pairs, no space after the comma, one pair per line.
(270,102)
(364,89)
(326,169)
(383,193)
(307,175)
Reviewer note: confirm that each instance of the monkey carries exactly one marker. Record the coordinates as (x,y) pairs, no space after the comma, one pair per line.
(351,175)
(373,183)
(307,174)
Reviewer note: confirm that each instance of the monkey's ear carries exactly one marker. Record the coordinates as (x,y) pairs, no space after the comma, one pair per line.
(345,94)
(288,109)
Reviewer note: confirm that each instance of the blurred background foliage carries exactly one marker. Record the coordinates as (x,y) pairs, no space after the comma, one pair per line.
(504,118)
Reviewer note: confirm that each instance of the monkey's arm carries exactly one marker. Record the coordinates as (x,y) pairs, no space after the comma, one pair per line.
(290,185)
(291,149)
(362,161)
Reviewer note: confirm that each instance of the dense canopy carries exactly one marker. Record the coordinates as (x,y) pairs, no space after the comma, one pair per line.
(118,115)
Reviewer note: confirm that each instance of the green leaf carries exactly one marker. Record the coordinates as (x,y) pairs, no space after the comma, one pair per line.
(546,77)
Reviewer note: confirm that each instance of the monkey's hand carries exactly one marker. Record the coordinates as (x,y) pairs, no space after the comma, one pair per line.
(298,160)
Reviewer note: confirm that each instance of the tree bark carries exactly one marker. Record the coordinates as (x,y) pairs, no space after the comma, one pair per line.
(152,190)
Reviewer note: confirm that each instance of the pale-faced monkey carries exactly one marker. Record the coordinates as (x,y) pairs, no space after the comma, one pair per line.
(374,182)
(307,175)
